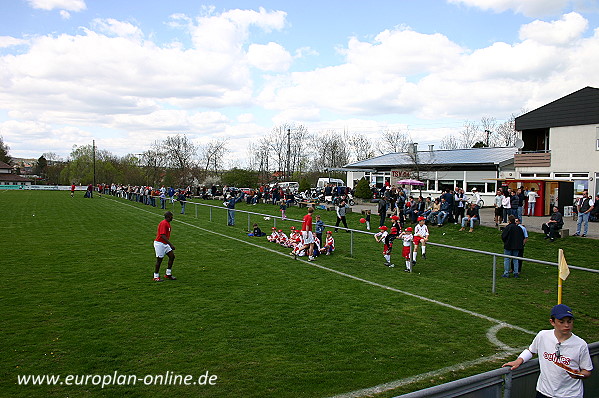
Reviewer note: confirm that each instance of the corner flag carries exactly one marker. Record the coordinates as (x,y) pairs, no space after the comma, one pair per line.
(564,271)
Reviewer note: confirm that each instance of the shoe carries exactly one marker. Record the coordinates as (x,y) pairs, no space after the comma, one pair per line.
(157,279)
(552,240)
(461,229)
(496,224)
(471,229)
(328,253)
(516,275)
(310,258)
(172,278)
(546,236)
(583,235)
(423,256)
(391,265)
(413,263)
(576,234)
(407,270)
(505,275)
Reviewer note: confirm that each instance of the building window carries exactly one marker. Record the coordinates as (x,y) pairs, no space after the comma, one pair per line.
(491,187)
(480,186)
(542,175)
(444,184)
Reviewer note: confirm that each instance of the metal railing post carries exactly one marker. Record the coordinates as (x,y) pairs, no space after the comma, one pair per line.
(249,222)
(351,243)
(211,214)
(494,273)
(196,206)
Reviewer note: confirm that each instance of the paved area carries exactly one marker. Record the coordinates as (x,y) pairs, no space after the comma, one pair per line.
(487,215)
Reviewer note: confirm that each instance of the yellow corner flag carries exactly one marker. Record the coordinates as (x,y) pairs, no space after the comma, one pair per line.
(564,271)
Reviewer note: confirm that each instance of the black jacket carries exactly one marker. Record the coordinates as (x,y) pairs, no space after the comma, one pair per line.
(513,237)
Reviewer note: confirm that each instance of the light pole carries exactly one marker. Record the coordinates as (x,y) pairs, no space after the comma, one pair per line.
(488,133)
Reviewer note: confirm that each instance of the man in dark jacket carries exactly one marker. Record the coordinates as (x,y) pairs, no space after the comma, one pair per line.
(555,223)
(513,241)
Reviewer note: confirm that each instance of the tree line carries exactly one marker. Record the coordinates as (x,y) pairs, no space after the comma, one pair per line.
(288,151)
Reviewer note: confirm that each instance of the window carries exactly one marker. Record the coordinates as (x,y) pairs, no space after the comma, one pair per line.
(491,187)
(480,186)
(444,184)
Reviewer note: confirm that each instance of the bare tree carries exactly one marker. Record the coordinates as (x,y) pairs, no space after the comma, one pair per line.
(394,141)
(450,141)
(360,146)
(212,156)
(331,152)
(506,132)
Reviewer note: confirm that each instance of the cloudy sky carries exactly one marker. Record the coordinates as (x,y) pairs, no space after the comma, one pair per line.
(127,73)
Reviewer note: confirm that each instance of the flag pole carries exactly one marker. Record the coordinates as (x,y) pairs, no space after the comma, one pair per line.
(559,284)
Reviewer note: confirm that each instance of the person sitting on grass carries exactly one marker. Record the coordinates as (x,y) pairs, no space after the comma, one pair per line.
(472,216)
(329,245)
(256,231)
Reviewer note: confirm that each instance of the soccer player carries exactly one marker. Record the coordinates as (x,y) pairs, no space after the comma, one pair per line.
(385,237)
(307,236)
(163,246)
(420,238)
(564,358)
(72,190)
(329,245)
(407,238)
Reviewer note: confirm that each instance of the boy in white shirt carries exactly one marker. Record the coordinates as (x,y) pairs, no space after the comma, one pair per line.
(420,238)
(564,358)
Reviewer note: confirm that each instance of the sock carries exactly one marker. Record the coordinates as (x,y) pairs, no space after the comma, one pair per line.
(423,249)
(156,275)
(169,271)
(387,257)
(414,256)
(408,264)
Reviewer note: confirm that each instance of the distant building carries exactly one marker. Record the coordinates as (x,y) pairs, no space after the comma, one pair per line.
(7,177)
(560,140)
(439,169)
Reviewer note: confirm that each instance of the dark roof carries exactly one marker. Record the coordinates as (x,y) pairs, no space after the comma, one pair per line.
(5,165)
(9,177)
(576,109)
(447,157)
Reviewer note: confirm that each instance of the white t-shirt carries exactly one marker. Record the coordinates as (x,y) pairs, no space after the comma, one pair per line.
(532,196)
(421,230)
(555,381)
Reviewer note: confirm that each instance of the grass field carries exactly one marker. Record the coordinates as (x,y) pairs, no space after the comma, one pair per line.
(78,299)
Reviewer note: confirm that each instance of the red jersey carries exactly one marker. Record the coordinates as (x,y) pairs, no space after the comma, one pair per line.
(307,223)
(73,188)
(164,228)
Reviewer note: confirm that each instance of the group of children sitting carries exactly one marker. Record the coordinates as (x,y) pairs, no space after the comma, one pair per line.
(409,236)
(298,247)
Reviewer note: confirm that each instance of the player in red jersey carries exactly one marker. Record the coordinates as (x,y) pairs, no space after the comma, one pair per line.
(307,236)
(163,246)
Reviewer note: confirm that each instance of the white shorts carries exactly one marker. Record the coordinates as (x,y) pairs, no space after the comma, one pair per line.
(161,249)
(307,237)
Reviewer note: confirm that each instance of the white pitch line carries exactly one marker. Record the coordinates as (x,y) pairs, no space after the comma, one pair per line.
(491,333)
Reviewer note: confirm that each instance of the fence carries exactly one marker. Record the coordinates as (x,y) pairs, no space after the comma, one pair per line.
(504,383)
(352,231)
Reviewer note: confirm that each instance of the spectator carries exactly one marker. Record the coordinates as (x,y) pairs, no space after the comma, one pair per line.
(444,211)
(472,216)
(556,222)
(498,207)
(532,201)
(319,227)
(183,200)
(584,206)
(506,205)
(521,199)
(341,210)
(514,202)
(595,212)
(513,241)
(521,252)
(230,203)
(432,217)
(459,204)
(382,210)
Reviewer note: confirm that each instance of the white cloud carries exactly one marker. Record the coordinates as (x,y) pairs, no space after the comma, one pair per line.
(65,14)
(8,41)
(112,27)
(270,57)
(531,8)
(570,27)
(406,72)
(69,5)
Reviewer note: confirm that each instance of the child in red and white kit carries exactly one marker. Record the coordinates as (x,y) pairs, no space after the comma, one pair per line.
(407,239)
(420,238)
(282,238)
(273,235)
(329,245)
(383,236)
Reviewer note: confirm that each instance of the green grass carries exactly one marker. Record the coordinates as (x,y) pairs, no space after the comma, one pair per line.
(78,299)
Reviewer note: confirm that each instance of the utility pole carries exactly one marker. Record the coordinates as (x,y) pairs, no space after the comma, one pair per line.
(94,161)
(288,154)
(488,132)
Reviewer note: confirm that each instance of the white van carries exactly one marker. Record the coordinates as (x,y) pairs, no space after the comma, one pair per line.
(291,185)
(322,182)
